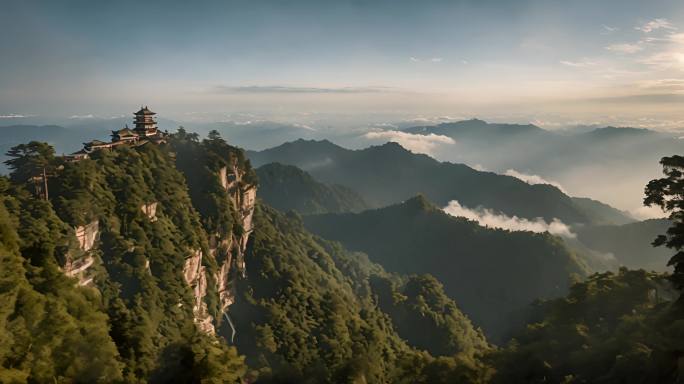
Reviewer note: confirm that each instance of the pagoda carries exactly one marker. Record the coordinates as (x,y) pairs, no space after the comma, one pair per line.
(145,125)
(145,131)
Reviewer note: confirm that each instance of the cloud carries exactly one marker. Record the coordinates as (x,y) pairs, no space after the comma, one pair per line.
(579,64)
(667,59)
(260,89)
(627,48)
(608,29)
(426,60)
(655,24)
(304,126)
(488,218)
(670,85)
(669,53)
(12,116)
(88,116)
(413,142)
(532,179)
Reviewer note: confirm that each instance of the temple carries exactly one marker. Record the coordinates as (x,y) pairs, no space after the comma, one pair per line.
(145,131)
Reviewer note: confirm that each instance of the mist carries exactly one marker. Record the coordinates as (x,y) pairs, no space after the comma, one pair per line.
(488,218)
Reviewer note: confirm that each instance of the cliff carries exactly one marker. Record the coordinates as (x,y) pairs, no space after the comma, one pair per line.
(161,237)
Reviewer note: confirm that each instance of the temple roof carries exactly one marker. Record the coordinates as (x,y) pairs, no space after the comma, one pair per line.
(125,132)
(95,142)
(144,111)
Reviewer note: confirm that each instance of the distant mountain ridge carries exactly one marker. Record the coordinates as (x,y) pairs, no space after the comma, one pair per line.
(286,187)
(389,174)
(587,163)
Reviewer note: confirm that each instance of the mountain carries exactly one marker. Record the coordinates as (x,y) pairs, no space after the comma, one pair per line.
(592,163)
(66,137)
(255,133)
(286,187)
(630,243)
(155,263)
(389,174)
(121,229)
(601,213)
(494,274)
(314,312)
(480,130)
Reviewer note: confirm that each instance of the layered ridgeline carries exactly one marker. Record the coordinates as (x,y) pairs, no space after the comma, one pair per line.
(492,273)
(138,267)
(389,174)
(286,187)
(529,147)
(629,244)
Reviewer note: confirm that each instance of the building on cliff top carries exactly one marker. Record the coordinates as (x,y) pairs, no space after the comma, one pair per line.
(145,131)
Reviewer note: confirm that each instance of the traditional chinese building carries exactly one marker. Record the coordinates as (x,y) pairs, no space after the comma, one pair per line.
(145,131)
(145,125)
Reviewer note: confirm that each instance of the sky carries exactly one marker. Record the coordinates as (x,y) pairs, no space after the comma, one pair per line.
(553,63)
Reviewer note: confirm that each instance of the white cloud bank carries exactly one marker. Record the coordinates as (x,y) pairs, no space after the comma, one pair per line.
(533,179)
(488,218)
(655,24)
(413,142)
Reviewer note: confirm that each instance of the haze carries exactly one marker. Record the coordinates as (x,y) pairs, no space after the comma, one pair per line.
(554,63)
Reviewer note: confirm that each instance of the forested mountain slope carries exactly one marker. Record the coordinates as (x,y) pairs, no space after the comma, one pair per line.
(493,274)
(287,187)
(149,264)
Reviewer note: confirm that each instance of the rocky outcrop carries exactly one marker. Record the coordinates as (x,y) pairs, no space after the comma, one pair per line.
(79,269)
(231,250)
(228,249)
(196,277)
(87,234)
(150,210)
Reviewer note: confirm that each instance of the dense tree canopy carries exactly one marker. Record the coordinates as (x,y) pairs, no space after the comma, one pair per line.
(668,194)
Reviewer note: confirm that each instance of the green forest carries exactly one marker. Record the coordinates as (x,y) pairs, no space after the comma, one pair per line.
(100,279)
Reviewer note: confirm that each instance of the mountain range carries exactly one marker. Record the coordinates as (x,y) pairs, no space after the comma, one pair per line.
(592,163)
(389,174)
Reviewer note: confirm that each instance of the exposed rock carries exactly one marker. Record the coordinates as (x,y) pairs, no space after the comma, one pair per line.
(87,234)
(228,249)
(230,179)
(150,210)
(234,253)
(195,275)
(79,268)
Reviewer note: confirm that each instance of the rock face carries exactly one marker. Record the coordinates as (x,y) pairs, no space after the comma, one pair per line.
(78,268)
(150,210)
(195,275)
(229,249)
(87,234)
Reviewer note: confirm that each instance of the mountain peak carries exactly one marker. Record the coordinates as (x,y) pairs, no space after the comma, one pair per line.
(419,203)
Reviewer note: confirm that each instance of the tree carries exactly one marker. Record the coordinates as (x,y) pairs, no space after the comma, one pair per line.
(668,194)
(214,135)
(28,160)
